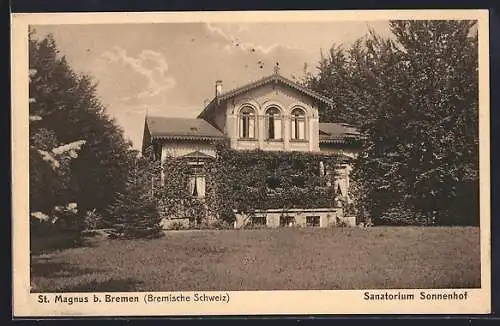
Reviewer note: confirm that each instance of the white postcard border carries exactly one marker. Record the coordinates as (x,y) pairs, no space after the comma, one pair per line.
(240,302)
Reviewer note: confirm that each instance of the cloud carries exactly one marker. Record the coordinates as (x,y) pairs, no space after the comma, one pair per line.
(150,64)
(236,43)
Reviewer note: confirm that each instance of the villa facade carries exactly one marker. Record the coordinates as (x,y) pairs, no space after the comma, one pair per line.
(270,114)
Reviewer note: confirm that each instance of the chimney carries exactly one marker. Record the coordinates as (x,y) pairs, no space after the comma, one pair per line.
(218,88)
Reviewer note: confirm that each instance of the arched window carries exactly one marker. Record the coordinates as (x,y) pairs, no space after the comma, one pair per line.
(247,122)
(298,121)
(273,119)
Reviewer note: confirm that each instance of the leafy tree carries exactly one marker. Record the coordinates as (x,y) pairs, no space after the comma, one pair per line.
(70,110)
(442,66)
(334,81)
(415,97)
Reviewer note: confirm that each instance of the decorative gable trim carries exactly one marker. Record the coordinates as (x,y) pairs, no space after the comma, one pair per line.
(276,79)
(182,137)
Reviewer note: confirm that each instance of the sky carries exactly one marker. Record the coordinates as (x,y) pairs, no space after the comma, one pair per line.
(170,69)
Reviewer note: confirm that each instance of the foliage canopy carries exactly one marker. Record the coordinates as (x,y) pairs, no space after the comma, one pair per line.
(415,97)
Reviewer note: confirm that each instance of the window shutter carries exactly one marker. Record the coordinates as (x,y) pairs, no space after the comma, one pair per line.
(240,132)
(251,127)
(277,128)
(293,127)
(191,185)
(301,129)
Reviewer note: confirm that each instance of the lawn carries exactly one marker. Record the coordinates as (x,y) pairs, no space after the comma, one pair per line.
(268,259)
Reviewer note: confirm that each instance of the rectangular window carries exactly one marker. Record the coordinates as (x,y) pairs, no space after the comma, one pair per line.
(298,180)
(259,220)
(196,186)
(273,127)
(245,126)
(273,181)
(287,221)
(298,129)
(312,221)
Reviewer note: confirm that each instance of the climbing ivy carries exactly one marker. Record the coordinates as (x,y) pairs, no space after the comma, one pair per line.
(248,180)
(255,179)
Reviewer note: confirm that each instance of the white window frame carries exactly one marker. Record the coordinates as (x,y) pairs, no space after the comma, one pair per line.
(250,131)
(277,131)
(297,133)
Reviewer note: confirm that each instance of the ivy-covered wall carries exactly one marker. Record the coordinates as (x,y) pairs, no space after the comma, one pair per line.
(252,180)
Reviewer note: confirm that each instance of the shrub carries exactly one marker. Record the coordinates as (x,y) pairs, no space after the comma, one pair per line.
(92,220)
(215,225)
(221,225)
(60,229)
(401,216)
(134,217)
(341,223)
(176,225)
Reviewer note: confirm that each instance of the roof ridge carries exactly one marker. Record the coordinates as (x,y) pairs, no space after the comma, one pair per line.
(247,84)
(304,88)
(284,79)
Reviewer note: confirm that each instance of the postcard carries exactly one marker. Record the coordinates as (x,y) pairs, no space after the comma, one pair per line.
(251,163)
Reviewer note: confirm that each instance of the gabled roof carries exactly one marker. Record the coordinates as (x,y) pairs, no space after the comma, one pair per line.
(274,78)
(181,128)
(336,132)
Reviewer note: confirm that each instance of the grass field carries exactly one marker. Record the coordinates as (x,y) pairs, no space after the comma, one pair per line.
(268,259)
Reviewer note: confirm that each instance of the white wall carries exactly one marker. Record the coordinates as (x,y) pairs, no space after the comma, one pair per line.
(286,99)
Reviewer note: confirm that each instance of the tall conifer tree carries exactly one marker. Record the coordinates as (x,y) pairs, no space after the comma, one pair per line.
(70,109)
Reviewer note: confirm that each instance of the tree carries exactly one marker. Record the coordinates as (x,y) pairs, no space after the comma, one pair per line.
(51,211)
(134,212)
(70,110)
(341,77)
(415,98)
(442,59)
(333,81)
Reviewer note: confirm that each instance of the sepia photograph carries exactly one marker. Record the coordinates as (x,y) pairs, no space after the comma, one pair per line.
(192,159)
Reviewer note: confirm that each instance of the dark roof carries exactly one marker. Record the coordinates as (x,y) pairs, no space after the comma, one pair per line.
(181,128)
(277,78)
(336,132)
